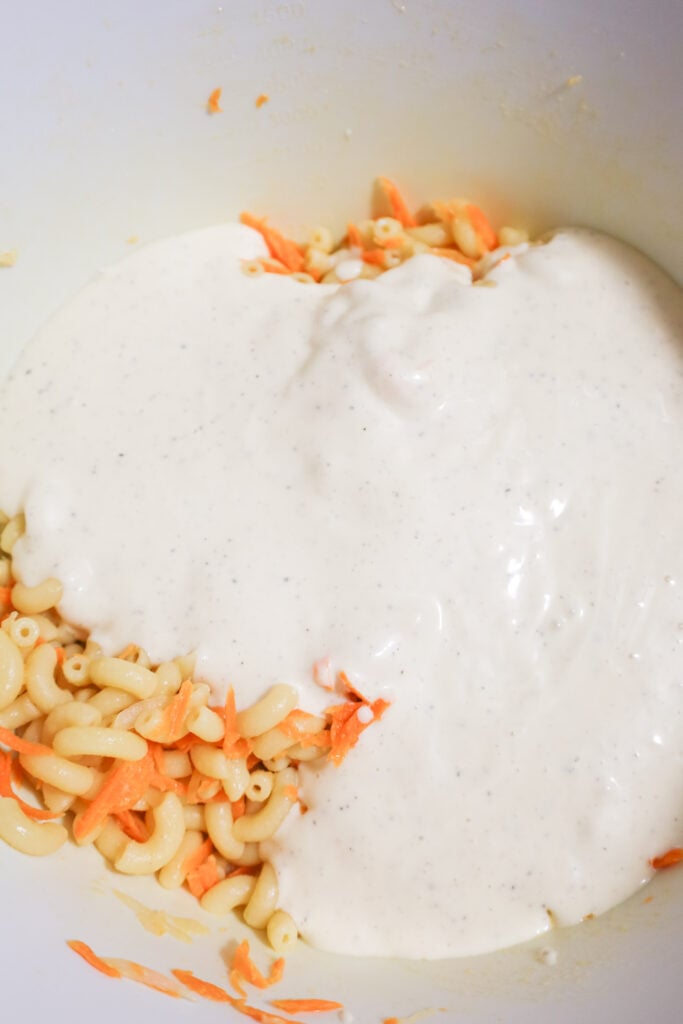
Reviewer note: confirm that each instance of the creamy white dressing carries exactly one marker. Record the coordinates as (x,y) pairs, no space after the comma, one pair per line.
(469,498)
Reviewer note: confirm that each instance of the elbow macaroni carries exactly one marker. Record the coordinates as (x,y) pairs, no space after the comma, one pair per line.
(26,835)
(93,711)
(11,671)
(149,857)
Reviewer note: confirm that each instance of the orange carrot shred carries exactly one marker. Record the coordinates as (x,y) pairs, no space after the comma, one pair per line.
(391,1020)
(373,256)
(239,808)
(186,742)
(6,771)
(668,859)
(354,236)
(482,226)
(306,1005)
(261,99)
(346,727)
(123,787)
(24,746)
(205,989)
(234,746)
(262,1016)
(214,102)
(397,203)
(192,792)
(172,723)
(6,595)
(204,877)
(279,247)
(348,686)
(163,783)
(92,958)
(195,859)
(132,825)
(291,792)
(244,969)
(322,674)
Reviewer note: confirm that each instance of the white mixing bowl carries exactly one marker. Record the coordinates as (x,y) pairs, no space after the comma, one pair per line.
(546,114)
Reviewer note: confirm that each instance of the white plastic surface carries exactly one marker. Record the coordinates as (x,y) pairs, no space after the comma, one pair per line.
(104,137)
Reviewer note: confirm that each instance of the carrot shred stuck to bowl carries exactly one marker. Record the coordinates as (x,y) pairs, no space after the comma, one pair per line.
(668,859)
(213,104)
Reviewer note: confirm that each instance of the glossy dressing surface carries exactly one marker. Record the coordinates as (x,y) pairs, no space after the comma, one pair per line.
(468,498)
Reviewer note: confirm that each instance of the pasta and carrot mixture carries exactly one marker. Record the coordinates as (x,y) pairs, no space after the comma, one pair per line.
(133,757)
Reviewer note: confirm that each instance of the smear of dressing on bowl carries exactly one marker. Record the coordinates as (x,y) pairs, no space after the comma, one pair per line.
(469,498)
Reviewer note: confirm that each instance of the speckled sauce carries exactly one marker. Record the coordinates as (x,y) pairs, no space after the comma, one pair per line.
(468,498)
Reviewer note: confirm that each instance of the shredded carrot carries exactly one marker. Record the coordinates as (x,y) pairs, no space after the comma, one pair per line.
(261,99)
(24,746)
(482,226)
(213,104)
(205,989)
(192,792)
(204,877)
(59,651)
(195,859)
(345,684)
(123,787)
(391,1020)
(6,771)
(172,722)
(399,207)
(306,1005)
(354,239)
(668,859)
(92,958)
(164,784)
(160,780)
(186,742)
(262,1016)
(375,257)
(322,669)
(6,595)
(144,976)
(238,808)
(133,826)
(234,745)
(346,727)
(244,969)
(391,243)
(279,247)
(291,792)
